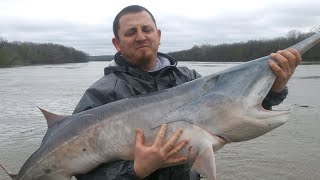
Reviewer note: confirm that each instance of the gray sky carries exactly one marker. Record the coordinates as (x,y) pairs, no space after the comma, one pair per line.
(87,24)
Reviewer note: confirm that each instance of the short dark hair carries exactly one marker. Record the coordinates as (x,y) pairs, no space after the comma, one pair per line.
(127,10)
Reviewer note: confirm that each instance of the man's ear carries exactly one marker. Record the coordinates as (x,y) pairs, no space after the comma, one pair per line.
(115,43)
(159,34)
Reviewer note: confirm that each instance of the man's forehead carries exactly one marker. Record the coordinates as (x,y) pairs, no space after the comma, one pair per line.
(131,19)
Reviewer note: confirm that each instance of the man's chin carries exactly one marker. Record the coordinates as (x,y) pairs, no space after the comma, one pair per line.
(144,54)
(144,50)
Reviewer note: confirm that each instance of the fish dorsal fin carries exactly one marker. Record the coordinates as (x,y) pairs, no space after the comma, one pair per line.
(51,117)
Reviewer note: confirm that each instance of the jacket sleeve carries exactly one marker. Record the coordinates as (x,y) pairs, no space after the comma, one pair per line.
(118,170)
(93,97)
(194,74)
(101,92)
(273,99)
(190,74)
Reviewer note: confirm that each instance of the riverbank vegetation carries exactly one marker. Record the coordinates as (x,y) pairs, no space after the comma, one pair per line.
(27,53)
(245,51)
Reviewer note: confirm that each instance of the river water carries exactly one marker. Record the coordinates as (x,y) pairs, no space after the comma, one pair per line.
(291,151)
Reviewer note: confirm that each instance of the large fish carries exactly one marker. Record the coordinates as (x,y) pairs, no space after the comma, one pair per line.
(214,110)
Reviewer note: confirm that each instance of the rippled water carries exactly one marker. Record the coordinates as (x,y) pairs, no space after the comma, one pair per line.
(289,152)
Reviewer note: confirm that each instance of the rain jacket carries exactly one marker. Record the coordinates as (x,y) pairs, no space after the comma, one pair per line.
(122,80)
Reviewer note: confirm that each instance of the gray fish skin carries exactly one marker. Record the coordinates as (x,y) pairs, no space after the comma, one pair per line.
(213,111)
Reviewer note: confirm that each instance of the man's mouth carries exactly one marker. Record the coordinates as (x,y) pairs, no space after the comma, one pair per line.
(142,46)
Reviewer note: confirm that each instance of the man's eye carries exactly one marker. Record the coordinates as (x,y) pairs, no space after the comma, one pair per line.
(147,29)
(130,32)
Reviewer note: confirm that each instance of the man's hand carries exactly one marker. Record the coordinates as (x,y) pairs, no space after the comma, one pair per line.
(149,159)
(287,60)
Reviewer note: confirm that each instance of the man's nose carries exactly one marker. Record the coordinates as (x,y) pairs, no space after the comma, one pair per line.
(141,36)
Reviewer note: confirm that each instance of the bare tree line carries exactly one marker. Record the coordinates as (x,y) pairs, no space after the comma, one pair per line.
(26,53)
(245,51)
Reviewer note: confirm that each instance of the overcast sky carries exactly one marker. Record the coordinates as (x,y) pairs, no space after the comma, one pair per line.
(87,24)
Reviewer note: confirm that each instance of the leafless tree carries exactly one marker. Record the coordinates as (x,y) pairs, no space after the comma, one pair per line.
(2,42)
(316,29)
(293,34)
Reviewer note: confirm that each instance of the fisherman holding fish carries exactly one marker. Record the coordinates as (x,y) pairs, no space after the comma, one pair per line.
(137,69)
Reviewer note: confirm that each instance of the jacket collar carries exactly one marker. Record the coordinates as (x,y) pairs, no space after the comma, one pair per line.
(123,62)
(122,65)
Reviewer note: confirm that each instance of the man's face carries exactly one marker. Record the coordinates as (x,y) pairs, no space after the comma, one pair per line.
(139,39)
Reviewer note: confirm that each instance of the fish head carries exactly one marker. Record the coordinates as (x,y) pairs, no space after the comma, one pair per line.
(234,102)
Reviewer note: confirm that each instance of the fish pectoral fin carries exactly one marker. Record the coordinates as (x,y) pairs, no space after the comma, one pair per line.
(205,163)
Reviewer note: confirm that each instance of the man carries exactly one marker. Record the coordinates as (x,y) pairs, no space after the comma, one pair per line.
(138,68)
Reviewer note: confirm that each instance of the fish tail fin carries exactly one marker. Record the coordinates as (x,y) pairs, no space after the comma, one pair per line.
(12,176)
